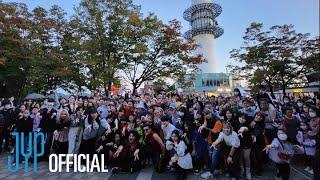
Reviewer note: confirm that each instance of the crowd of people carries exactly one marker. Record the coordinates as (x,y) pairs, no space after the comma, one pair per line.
(211,136)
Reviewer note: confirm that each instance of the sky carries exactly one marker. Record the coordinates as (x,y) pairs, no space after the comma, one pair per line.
(236,16)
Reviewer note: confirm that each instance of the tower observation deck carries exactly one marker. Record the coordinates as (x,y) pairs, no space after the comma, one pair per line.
(204,29)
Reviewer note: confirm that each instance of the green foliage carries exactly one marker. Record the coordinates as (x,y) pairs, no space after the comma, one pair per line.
(154,50)
(104,41)
(279,57)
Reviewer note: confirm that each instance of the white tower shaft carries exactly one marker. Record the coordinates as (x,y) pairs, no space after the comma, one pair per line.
(205,29)
(206,48)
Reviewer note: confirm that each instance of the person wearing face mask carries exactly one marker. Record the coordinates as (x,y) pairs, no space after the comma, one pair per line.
(286,102)
(229,150)
(314,121)
(281,152)
(309,145)
(299,106)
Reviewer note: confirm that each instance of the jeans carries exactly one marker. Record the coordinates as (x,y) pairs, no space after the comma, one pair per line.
(213,154)
(74,137)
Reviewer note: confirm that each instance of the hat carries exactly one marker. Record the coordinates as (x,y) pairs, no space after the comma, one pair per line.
(172,106)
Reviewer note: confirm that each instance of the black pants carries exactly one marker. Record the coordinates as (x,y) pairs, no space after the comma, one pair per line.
(198,163)
(181,174)
(284,171)
(88,147)
(4,134)
(158,163)
(316,166)
(258,156)
(127,163)
(309,160)
(62,147)
(234,167)
(47,148)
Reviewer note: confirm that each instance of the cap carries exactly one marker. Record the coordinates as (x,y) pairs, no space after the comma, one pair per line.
(172,106)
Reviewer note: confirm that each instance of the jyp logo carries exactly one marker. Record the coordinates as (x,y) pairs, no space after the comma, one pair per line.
(26,146)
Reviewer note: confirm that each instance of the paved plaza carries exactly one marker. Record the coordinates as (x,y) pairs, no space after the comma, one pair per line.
(145,174)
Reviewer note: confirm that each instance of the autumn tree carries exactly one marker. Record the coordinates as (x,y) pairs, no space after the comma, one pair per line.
(275,57)
(31,52)
(14,51)
(155,50)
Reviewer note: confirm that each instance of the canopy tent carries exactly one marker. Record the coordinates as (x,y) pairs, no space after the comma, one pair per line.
(35,96)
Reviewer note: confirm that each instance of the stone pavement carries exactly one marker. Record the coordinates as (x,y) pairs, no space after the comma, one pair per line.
(145,174)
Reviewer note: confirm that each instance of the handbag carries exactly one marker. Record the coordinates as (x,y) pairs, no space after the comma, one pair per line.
(279,156)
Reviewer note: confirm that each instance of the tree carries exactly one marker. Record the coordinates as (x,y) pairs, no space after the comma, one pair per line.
(154,50)
(32,58)
(14,49)
(101,25)
(275,57)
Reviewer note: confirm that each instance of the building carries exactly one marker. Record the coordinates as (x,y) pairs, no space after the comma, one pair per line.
(204,29)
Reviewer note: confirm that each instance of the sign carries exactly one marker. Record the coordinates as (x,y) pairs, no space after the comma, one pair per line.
(297,90)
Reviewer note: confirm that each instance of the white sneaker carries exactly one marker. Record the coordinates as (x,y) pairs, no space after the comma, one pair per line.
(310,171)
(206,175)
(307,168)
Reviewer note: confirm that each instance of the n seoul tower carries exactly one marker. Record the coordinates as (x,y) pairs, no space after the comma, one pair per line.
(205,29)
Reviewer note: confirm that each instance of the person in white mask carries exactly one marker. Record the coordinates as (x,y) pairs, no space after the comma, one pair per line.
(314,121)
(281,152)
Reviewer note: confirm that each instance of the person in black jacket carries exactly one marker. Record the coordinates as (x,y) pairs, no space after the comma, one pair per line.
(9,119)
(242,127)
(48,126)
(61,132)
(259,144)
(22,125)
